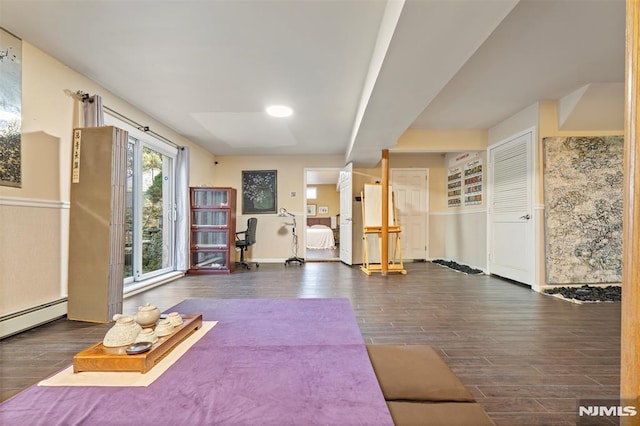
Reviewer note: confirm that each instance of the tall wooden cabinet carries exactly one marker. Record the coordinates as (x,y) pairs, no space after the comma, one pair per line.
(213,230)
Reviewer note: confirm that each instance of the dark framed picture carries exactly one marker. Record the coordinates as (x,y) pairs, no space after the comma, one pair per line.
(259,191)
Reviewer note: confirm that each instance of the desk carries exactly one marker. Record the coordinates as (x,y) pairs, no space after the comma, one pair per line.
(267,362)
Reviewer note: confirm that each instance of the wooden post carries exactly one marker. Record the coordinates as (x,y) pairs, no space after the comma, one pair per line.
(384,250)
(630,328)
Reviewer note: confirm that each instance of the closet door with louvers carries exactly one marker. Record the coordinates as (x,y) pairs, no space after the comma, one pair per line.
(510,210)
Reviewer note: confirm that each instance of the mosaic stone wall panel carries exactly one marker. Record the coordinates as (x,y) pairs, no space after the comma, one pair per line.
(583,178)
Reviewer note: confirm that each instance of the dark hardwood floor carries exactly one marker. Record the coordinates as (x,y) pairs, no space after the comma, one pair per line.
(527,357)
(322,255)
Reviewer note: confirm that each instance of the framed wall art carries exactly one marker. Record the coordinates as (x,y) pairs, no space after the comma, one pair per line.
(311,209)
(10,109)
(259,191)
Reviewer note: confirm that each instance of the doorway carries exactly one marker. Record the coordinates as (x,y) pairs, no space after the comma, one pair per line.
(411,190)
(510,219)
(322,218)
(150,200)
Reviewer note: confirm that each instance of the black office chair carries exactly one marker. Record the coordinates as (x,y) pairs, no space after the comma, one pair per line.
(249,240)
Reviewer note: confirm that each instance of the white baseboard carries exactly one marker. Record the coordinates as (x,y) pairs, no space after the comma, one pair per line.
(29,318)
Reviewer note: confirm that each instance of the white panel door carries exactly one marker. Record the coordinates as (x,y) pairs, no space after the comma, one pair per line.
(511,245)
(410,187)
(346,214)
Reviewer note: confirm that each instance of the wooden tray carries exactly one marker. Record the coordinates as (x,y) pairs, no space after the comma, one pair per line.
(101,358)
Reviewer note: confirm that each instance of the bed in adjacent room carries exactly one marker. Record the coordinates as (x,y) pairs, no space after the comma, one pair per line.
(320,234)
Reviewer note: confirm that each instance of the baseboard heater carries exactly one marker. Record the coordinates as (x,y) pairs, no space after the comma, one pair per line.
(32,317)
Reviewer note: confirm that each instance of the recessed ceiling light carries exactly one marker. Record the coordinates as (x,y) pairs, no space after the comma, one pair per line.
(279,111)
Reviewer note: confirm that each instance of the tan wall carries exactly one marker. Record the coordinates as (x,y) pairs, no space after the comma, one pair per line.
(437,195)
(31,261)
(414,140)
(34,219)
(327,196)
(273,234)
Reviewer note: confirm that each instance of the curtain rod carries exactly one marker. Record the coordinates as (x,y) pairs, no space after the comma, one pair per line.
(139,126)
(85,97)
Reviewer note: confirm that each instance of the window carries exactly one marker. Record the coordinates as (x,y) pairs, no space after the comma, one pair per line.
(149,208)
(312,192)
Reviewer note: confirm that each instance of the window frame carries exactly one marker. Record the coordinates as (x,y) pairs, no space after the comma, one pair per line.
(141,140)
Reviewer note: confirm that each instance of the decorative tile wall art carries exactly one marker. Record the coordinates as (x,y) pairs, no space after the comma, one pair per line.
(454,187)
(473,183)
(583,183)
(10,109)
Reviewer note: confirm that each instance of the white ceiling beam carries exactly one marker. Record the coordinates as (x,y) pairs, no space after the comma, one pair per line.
(431,42)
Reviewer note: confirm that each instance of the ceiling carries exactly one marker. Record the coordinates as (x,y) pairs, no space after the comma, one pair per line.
(357,73)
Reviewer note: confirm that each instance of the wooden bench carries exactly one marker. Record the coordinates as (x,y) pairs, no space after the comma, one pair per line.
(421,389)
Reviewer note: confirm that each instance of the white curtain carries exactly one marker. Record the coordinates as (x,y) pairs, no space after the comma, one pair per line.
(182,209)
(93,113)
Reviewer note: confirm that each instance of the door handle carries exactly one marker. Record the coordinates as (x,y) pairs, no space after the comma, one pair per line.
(525,217)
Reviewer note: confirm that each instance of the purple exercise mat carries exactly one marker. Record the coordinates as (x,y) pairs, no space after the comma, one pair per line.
(266,362)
